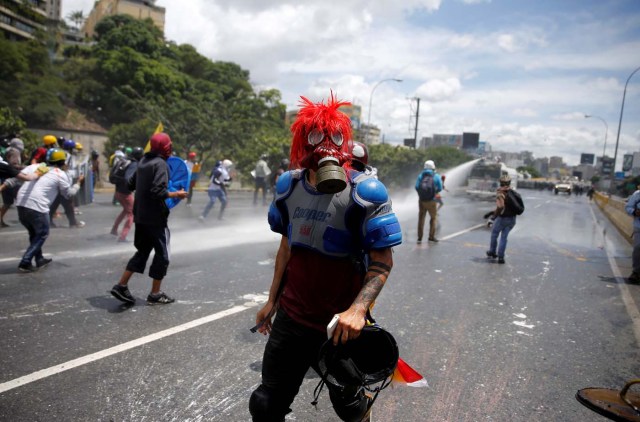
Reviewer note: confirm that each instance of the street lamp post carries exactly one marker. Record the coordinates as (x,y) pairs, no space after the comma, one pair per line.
(370,103)
(615,154)
(606,127)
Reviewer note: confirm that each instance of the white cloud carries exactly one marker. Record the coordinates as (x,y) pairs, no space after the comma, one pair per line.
(439,90)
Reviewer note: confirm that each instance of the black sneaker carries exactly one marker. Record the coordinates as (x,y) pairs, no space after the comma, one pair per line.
(159,299)
(634,278)
(491,255)
(43,262)
(433,239)
(122,293)
(28,268)
(500,260)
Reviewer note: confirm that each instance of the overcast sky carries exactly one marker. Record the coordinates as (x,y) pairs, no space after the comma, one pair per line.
(522,73)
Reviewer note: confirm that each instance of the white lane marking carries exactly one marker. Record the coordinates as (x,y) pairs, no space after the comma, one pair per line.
(467,230)
(74,363)
(627,299)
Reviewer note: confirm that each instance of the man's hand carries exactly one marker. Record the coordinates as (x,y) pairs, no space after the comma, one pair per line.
(81,179)
(178,194)
(636,213)
(350,324)
(263,318)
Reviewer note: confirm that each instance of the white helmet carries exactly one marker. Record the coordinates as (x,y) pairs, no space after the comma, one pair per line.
(227,164)
(429,164)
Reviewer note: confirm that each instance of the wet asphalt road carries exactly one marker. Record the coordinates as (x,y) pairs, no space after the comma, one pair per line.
(509,342)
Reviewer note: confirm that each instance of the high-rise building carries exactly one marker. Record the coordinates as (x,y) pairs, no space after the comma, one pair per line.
(54,9)
(556,163)
(139,9)
(21,20)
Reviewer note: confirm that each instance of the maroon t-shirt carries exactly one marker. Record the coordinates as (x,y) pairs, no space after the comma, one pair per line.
(318,287)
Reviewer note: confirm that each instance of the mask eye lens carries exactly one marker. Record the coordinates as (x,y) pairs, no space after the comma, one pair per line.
(336,137)
(315,137)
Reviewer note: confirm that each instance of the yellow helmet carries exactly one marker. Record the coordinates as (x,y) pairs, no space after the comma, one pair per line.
(49,140)
(56,156)
(78,146)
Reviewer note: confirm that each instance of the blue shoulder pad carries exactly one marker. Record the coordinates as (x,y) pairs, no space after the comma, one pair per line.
(275,219)
(383,232)
(284,183)
(372,190)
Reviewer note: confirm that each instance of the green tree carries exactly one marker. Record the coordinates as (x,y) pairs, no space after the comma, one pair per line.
(77,17)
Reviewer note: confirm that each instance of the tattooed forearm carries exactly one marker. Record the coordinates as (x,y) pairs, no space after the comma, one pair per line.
(377,273)
(370,291)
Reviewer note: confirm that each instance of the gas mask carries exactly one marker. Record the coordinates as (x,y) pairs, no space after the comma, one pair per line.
(326,158)
(321,134)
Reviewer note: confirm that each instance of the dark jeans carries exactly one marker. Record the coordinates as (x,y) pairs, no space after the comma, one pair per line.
(291,350)
(146,239)
(37,224)
(260,183)
(69,210)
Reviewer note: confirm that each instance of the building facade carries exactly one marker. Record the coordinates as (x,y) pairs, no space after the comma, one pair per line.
(139,9)
(21,20)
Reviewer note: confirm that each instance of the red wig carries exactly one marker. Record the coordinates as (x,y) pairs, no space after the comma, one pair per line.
(325,117)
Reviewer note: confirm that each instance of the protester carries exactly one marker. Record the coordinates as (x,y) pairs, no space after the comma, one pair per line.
(438,197)
(428,185)
(95,166)
(124,170)
(508,205)
(219,181)
(13,156)
(33,202)
(282,168)
(71,170)
(260,174)
(114,158)
(326,264)
(151,213)
(360,159)
(39,155)
(632,208)
(194,168)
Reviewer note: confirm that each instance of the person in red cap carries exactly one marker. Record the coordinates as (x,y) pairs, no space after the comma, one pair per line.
(151,213)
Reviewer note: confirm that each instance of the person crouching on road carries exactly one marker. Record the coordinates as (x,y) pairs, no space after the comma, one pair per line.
(35,198)
(151,213)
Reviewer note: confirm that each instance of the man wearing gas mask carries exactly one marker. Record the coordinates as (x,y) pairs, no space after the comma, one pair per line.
(337,228)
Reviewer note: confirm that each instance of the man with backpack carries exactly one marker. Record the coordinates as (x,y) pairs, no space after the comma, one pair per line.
(119,176)
(508,205)
(428,185)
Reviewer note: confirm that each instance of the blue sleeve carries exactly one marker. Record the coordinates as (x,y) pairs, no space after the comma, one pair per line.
(632,203)
(438,182)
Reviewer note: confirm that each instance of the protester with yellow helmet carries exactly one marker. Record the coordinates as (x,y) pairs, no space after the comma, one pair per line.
(34,200)
(40,153)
